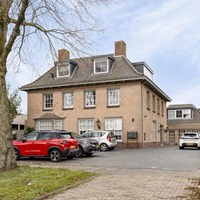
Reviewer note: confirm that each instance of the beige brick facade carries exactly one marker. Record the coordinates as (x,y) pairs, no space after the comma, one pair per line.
(132,110)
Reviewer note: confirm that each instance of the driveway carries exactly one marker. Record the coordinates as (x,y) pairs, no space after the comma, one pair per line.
(138,174)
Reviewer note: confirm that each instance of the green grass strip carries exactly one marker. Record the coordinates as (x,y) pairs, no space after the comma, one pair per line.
(28,183)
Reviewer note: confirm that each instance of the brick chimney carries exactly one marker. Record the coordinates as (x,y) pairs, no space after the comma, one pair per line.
(63,54)
(120,48)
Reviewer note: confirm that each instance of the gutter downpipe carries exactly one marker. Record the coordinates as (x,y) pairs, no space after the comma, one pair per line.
(142,111)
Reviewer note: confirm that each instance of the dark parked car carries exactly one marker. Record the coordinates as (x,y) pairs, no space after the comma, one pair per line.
(86,146)
(52,144)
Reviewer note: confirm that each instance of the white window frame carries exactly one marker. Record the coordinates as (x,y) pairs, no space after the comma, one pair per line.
(85,125)
(65,68)
(101,67)
(115,125)
(172,114)
(49,124)
(48,101)
(45,125)
(113,97)
(68,100)
(90,98)
(58,125)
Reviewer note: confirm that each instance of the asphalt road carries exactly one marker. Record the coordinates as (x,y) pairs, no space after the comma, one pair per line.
(161,158)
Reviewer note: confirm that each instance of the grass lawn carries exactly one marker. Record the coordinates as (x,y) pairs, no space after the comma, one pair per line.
(27,182)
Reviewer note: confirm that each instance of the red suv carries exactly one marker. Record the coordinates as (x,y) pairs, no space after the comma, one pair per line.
(53,144)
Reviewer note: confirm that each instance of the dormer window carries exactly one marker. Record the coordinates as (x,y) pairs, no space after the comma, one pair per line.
(101,66)
(63,70)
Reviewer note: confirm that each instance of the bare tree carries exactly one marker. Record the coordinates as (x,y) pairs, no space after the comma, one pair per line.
(27,26)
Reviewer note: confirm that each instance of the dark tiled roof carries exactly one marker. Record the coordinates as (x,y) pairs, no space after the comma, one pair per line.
(121,70)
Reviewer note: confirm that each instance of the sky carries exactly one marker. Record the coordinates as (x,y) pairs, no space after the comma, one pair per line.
(163,33)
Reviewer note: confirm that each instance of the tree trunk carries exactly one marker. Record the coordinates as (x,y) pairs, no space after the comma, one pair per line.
(7,158)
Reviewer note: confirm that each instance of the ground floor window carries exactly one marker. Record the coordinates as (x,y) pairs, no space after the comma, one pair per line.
(115,125)
(154,131)
(45,125)
(49,125)
(85,125)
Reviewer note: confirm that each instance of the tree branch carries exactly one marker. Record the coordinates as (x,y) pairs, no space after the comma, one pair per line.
(16,30)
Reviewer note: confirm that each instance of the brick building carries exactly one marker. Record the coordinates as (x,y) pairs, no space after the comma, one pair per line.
(106,92)
(182,118)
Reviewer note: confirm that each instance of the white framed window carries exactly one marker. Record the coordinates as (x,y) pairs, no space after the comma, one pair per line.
(45,125)
(63,70)
(101,66)
(171,114)
(68,99)
(115,125)
(113,97)
(48,101)
(154,131)
(48,124)
(58,125)
(85,125)
(90,99)
(180,114)
(187,114)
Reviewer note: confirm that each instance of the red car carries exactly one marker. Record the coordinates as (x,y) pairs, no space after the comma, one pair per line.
(52,144)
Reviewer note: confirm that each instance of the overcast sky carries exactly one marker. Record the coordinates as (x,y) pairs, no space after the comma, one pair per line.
(163,33)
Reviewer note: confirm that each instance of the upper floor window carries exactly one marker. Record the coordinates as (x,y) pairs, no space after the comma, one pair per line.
(68,100)
(113,97)
(162,108)
(158,106)
(153,103)
(148,100)
(63,70)
(48,101)
(180,114)
(101,66)
(90,99)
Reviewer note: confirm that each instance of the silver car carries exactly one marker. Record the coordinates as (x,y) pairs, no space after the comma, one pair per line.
(106,139)
(189,140)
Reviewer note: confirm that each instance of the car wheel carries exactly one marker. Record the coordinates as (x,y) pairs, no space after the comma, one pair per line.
(55,155)
(80,152)
(103,147)
(17,155)
(199,148)
(181,147)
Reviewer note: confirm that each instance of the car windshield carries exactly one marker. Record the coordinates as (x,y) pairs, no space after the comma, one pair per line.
(190,135)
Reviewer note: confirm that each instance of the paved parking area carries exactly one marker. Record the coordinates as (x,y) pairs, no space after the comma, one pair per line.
(138,174)
(132,184)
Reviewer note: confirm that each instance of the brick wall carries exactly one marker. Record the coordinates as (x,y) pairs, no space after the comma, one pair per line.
(134,117)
